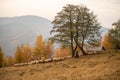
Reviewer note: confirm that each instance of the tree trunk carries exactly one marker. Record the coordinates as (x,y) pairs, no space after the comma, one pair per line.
(81,48)
(71,33)
(74,51)
(72,44)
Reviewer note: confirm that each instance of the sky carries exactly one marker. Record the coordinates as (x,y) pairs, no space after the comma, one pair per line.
(107,11)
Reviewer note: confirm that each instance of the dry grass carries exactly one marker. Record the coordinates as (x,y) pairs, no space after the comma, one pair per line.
(104,66)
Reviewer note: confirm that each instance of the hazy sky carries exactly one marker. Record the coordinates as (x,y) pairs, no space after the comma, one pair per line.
(108,11)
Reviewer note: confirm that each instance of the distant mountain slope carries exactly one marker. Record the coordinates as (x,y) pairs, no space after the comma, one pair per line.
(103,31)
(36,24)
(16,31)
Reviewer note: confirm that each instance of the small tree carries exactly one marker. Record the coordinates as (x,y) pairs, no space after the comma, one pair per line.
(26,53)
(49,49)
(8,61)
(18,55)
(1,57)
(39,49)
(106,43)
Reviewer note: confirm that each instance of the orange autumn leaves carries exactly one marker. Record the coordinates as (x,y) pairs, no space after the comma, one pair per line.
(62,52)
(41,50)
(22,54)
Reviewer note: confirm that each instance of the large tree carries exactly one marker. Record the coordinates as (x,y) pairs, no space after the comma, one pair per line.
(114,35)
(75,25)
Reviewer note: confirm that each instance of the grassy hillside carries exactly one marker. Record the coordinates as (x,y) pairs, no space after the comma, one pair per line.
(105,66)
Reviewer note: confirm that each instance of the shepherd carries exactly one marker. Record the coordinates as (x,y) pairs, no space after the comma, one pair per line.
(76,54)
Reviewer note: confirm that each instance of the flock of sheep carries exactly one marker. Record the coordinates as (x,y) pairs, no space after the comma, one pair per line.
(42,61)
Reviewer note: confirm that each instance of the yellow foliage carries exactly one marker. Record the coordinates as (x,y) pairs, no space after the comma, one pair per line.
(18,55)
(8,61)
(39,48)
(106,43)
(48,49)
(62,52)
(26,53)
